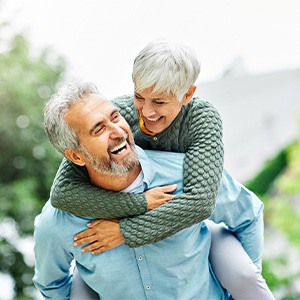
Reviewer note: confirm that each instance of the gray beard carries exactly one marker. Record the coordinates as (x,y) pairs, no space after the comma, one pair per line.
(109,166)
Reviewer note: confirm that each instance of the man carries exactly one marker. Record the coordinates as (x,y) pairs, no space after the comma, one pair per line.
(92,134)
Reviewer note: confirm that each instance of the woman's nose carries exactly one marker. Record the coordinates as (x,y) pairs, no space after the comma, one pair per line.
(148,110)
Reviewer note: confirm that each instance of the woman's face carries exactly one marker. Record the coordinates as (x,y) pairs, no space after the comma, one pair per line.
(157,110)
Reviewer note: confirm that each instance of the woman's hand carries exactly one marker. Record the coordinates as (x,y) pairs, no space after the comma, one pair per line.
(101,236)
(159,195)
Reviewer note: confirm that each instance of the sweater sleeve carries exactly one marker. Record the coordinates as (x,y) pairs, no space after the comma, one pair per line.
(203,166)
(72,192)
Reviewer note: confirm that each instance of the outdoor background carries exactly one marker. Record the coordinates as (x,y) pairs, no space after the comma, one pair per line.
(250,56)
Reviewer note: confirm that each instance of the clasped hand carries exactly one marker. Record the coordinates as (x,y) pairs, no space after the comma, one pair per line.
(103,235)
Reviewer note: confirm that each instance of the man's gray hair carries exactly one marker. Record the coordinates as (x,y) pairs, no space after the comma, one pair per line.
(57,130)
(166,67)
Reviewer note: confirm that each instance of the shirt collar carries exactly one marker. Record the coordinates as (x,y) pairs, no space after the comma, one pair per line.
(146,167)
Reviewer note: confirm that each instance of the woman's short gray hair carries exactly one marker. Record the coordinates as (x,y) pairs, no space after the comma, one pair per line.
(57,130)
(166,67)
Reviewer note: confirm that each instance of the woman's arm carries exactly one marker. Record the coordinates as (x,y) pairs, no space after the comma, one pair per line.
(72,192)
(203,166)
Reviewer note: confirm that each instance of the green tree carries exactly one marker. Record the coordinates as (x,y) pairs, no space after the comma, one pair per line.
(27,161)
(278,185)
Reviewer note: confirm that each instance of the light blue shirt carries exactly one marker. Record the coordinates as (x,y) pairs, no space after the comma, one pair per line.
(174,268)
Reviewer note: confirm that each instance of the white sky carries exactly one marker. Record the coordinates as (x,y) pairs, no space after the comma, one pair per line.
(101,38)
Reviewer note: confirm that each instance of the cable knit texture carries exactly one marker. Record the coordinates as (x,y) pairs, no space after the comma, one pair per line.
(197,131)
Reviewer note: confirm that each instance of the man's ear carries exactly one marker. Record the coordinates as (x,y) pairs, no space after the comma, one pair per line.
(188,95)
(75,157)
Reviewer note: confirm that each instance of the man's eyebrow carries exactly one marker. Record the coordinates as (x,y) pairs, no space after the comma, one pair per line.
(100,122)
(114,111)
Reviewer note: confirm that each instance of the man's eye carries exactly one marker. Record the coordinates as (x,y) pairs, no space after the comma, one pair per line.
(116,117)
(159,103)
(99,129)
(138,97)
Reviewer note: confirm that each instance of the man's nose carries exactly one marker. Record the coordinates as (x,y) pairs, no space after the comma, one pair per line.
(116,131)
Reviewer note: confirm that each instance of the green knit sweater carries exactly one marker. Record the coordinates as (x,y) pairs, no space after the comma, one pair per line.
(196,131)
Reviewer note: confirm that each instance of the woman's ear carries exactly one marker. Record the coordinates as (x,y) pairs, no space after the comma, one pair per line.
(75,157)
(188,95)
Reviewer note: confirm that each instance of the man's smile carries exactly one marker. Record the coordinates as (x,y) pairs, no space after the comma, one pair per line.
(119,149)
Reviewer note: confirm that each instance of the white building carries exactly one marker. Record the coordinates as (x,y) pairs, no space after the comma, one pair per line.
(260,113)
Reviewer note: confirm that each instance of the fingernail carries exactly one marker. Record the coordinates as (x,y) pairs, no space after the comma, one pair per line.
(75,244)
(82,250)
(75,238)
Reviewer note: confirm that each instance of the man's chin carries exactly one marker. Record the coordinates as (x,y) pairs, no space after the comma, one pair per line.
(122,169)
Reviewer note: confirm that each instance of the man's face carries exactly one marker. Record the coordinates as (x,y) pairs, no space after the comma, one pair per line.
(158,111)
(105,137)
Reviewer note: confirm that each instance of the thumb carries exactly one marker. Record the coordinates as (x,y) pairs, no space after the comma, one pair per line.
(169,188)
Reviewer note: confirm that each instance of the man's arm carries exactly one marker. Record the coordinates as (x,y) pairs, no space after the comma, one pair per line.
(242,213)
(52,263)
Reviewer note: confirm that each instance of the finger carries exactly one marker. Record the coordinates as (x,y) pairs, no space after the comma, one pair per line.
(99,250)
(169,188)
(86,240)
(104,248)
(93,223)
(83,234)
(91,247)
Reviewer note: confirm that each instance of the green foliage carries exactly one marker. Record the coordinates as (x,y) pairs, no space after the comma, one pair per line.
(282,215)
(285,218)
(278,185)
(28,161)
(272,280)
(262,182)
(289,183)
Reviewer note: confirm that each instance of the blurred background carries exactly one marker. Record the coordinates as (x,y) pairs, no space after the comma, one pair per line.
(250,55)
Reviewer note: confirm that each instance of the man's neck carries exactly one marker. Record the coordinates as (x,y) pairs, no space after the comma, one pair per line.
(113,182)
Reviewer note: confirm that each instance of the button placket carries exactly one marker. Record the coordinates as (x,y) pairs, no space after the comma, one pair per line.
(144,270)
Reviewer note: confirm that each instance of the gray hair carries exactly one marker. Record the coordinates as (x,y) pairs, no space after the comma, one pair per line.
(57,130)
(166,67)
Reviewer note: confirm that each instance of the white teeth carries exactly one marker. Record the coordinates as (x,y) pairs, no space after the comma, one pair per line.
(118,147)
(153,119)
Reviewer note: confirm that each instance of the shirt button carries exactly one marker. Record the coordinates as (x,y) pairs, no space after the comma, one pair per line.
(155,138)
(148,287)
(140,257)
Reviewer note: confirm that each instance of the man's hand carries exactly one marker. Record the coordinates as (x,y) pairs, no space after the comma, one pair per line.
(159,195)
(101,236)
